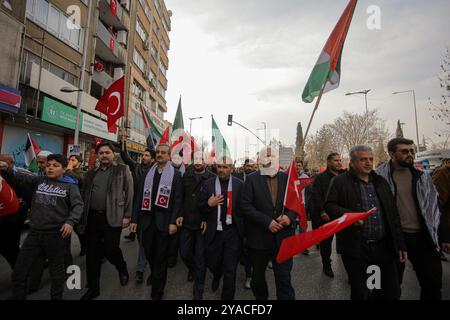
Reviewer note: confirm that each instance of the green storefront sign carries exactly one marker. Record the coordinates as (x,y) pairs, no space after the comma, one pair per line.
(58,113)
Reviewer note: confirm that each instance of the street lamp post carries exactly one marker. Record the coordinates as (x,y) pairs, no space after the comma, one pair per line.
(415,113)
(364,92)
(190,124)
(82,75)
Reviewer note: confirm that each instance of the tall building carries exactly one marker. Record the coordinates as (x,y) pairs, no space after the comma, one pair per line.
(150,27)
(49,42)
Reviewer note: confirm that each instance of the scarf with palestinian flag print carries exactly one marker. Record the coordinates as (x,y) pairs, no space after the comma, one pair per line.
(229,219)
(164,188)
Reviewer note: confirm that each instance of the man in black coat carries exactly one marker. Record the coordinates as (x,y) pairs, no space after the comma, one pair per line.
(377,240)
(317,206)
(157,206)
(268,223)
(192,226)
(224,232)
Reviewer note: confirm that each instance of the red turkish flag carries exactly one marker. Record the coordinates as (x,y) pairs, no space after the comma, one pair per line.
(112,103)
(113,7)
(8,199)
(296,244)
(302,184)
(292,195)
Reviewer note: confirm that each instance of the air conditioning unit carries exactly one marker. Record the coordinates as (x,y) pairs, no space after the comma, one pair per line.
(147,45)
(153,82)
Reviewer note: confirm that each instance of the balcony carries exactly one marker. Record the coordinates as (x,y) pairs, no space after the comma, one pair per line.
(120,21)
(103,79)
(108,48)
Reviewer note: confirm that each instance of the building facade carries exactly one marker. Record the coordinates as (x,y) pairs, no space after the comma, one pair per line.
(50,45)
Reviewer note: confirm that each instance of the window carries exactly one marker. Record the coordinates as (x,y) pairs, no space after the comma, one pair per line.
(140,30)
(139,60)
(53,19)
(41,11)
(30,7)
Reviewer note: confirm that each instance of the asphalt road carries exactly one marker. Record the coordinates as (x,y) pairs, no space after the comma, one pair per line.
(307,279)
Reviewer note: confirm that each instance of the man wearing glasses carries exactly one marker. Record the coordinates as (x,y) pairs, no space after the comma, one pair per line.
(424,226)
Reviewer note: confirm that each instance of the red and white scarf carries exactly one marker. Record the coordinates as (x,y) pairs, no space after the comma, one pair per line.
(229,219)
(164,188)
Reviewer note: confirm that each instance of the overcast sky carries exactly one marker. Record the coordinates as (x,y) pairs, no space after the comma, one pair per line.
(252,58)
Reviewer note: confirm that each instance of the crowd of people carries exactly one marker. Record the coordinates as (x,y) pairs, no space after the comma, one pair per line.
(215,217)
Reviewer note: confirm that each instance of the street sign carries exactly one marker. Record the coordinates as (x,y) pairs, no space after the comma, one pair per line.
(73,149)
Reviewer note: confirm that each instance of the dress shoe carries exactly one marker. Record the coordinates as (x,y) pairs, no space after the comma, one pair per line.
(139,277)
(328,271)
(123,277)
(91,294)
(306,252)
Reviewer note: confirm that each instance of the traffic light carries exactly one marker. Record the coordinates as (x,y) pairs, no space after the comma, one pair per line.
(230,119)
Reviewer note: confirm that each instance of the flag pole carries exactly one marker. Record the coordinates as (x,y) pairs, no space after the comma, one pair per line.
(312,115)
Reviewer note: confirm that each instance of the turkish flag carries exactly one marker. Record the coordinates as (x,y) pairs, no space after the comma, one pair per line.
(292,196)
(9,204)
(296,244)
(302,184)
(112,103)
(113,4)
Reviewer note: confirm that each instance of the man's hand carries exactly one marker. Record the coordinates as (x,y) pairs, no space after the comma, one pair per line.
(66,230)
(325,217)
(275,226)
(403,256)
(172,229)
(203,227)
(214,201)
(445,247)
(125,223)
(359,223)
(3,165)
(179,222)
(133,227)
(284,220)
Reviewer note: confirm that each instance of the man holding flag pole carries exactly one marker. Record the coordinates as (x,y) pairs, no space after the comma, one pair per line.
(376,241)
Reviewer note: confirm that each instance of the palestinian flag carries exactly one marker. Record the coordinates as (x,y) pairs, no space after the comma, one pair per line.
(327,71)
(218,142)
(153,135)
(31,151)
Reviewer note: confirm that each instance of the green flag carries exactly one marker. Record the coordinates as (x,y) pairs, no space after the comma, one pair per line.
(218,141)
(178,122)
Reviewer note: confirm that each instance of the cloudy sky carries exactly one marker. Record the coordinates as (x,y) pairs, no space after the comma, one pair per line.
(252,58)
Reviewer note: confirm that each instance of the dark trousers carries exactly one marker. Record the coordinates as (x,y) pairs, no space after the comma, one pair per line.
(222,258)
(325,250)
(192,251)
(427,264)
(282,273)
(174,245)
(246,261)
(156,246)
(373,254)
(102,241)
(10,230)
(49,245)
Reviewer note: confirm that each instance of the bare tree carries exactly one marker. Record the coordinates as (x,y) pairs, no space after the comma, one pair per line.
(348,130)
(440,111)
